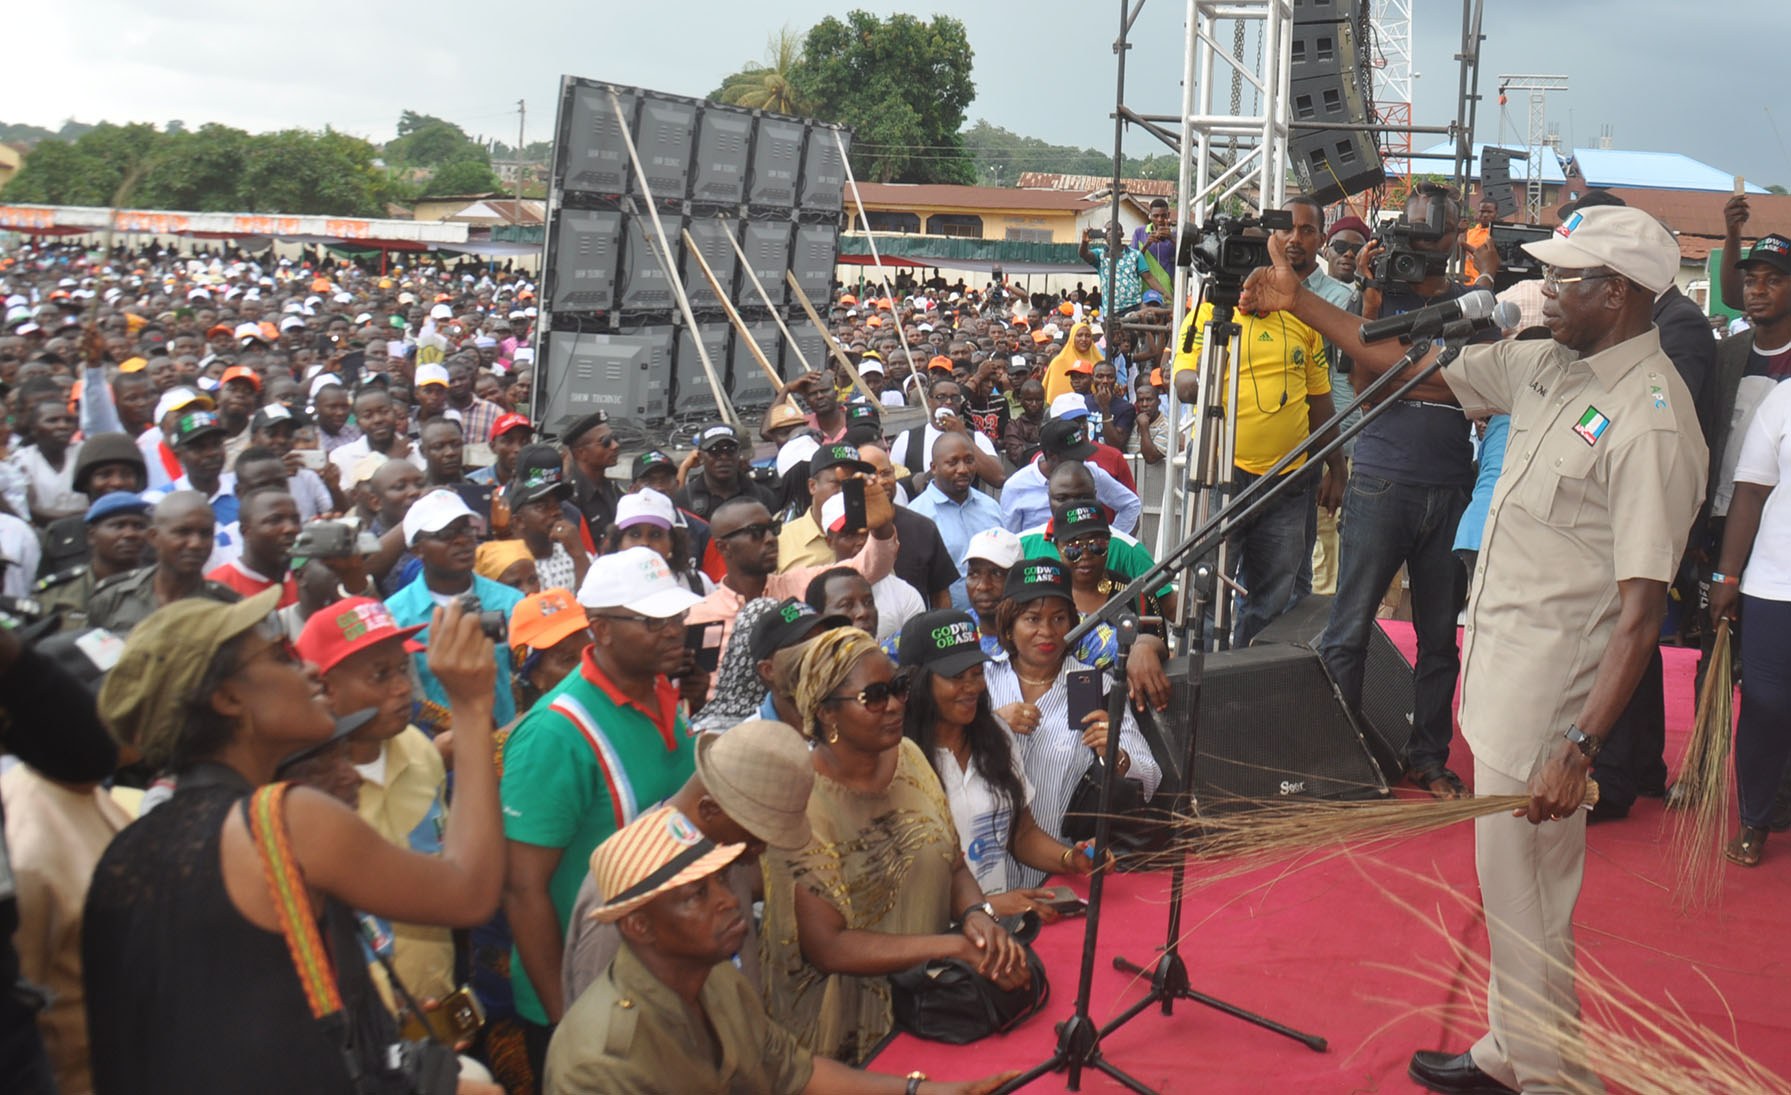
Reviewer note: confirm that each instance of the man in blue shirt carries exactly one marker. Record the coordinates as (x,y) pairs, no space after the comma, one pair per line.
(952,503)
(1026,496)
(440,529)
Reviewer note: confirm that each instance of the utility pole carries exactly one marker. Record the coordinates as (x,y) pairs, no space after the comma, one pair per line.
(1538,87)
(516,210)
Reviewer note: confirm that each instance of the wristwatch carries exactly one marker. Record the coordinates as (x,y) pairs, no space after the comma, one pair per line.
(1584,742)
(981,907)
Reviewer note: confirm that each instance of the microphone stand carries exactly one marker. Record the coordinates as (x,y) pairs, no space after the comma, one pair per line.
(1078,1040)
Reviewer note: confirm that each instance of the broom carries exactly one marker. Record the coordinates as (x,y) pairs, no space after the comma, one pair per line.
(1701,796)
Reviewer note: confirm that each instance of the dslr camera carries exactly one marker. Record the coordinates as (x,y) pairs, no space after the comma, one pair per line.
(1400,259)
(494,624)
(1228,246)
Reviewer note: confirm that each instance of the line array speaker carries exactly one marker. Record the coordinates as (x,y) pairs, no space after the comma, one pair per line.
(1329,85)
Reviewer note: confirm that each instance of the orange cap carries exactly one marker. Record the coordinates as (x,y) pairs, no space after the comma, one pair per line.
(1156,376)
(848,300)
(886,304)
(939,361)
(874,321)
(1066,308)
(131,365)
(221,329)
(1040,336)
(542,619)
(1081,366)
(240,372)
(269,332)
(320,285)
(1020,321)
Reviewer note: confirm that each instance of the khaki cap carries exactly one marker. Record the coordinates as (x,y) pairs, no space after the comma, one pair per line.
(760,774)
(1629,241)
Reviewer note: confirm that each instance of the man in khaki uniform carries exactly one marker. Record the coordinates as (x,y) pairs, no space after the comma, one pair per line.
(1605,471)
(671,1013)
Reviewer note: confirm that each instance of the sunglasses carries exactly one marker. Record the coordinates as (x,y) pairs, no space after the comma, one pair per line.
(1076,549)
(1342,247)
(725,448)
(758,531)
(877,694)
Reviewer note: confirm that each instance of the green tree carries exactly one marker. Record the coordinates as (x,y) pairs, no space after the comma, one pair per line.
(901,85)
(1775,188)
(296,171)
(89,171)
(767,86)
(198,171)
(462,177)
(424,141)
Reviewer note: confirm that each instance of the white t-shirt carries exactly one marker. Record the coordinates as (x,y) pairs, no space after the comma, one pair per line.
(918,462)
(1749,394)
(347,456)
(1765,455)
(982,817)
(897,603)
(51,489)
(23,554)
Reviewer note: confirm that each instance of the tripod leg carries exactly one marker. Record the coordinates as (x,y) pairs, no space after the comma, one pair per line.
(1310,1041)
(1136,1085)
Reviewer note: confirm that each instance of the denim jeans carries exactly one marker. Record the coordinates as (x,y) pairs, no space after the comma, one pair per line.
(1763,730)
(1267,554)
(1383,525)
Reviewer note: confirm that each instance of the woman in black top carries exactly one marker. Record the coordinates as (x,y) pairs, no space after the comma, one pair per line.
(190,986)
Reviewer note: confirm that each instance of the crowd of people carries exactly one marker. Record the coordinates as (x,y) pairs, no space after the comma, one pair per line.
(649,773)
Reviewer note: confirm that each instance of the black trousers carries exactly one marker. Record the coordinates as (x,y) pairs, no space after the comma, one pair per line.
(1633,760)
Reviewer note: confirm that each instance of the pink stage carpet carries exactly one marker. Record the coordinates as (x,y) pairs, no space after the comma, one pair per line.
(1325,950)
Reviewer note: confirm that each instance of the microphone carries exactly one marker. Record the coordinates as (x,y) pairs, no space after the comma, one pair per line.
(1507,315)
(1425,322)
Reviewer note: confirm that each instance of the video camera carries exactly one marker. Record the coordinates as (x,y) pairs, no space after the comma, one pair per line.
(1401,261)
(1224,250)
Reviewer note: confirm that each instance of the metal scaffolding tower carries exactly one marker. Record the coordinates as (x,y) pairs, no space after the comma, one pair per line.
(1538,87)
(1391,24)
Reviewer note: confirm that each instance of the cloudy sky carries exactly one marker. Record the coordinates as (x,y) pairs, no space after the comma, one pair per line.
(1043,68)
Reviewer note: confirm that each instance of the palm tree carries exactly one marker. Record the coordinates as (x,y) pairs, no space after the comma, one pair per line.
(767,86)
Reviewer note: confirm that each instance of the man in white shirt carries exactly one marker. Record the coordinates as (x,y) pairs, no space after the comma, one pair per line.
(48,464)
(377,416)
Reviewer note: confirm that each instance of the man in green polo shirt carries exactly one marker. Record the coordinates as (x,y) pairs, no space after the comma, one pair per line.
(606,744)
(1126,557)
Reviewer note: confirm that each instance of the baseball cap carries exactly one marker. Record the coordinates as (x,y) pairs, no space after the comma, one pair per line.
(644,507)
(1629,241)
(760,774)
(939,361)
(1036,578)
(441,311)
(433,512)
(833,513)
(539,474)
(836,456)
(248,332)
(717,435)
(113,503)
(542,619)
(1773,251)
(430,373)
(348,627)
(859,413)
(638,580)
(508,422)
(133,364)
(1068,405)
(175,398)
(164,659)
(871,364)
(1077,517)
(192,425)
(1040,337)
(656,852)
(1081,366)
(1066,437)
(944,640)
(647,461)
(791,622)
(271,414)
(995,545)
(795,451)
(240,372)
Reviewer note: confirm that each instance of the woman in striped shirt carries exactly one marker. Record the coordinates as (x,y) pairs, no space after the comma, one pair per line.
(1035,614)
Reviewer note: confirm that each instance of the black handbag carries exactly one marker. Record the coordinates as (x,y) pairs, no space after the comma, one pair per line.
(1137,830)
(946,1000)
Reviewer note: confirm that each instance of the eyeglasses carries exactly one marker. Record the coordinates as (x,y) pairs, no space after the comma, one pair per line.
(278,644)
(725,448)
(650,623)
(877,694)
(1076,549)
(1552,279)
(758,531)
(1341,247)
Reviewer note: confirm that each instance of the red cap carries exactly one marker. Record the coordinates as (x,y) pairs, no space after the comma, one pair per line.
(508,422)
(349,626)
(240,372)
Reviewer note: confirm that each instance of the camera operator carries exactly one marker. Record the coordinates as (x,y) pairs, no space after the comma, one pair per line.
(1284,393)
(1413,469)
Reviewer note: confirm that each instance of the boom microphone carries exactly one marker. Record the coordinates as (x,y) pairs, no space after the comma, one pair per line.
(1426,322)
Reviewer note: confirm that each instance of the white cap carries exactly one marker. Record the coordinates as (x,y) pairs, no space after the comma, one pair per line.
(441,311)
(645,507)
(524,355)
(1069,405)
(249,330)
(432,373)
(291,323)
(795,451)
(433,512)
(638,580)
(997,545)
(343,298)
(322,381)
(833,513)
(871,365)
(173,400)
(364,468)
(1018,361)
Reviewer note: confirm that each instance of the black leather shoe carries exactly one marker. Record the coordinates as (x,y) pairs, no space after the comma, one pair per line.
(1457,1075)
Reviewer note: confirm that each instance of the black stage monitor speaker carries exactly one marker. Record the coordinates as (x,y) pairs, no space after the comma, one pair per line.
(1272,727)
(723,140)
(1333,164)
(667,130)
(1389,693)
(695,400)
(776,162)
(747,382)
(591,156)
(624,373)
(585,262)
(1495,177)
(711,237)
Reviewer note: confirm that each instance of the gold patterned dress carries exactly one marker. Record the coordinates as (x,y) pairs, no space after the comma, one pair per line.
(884,860)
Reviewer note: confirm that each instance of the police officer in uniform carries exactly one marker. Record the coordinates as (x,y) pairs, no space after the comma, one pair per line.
(181,539)
(117,533)
(672,1013)
(1604,474)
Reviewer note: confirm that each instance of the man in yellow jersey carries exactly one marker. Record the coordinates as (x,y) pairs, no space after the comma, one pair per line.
(1284,393)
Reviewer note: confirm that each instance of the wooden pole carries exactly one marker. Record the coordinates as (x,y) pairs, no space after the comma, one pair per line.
(733,316)
(839,355)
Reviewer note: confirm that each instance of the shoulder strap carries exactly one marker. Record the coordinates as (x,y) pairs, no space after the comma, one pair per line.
(267,827)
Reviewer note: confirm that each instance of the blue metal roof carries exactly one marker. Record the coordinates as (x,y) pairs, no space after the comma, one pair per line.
(1605,167)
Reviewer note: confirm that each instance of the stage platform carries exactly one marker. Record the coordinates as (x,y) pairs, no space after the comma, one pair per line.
(1329,950)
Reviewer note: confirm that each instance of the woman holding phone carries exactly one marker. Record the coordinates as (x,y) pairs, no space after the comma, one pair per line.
(1033,691)
(978,762)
